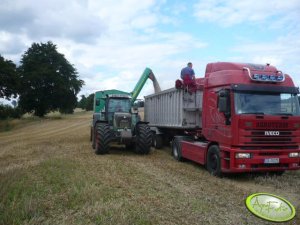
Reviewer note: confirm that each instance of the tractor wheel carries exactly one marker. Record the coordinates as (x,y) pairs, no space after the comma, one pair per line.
(93,131)
(143,139)
(157,141)
(213,161)
(102,138)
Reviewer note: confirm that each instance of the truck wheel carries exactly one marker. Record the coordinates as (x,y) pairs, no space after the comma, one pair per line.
(157,141)
(102,138)
(213,161)
(143,139)
(176,149)
(176,146)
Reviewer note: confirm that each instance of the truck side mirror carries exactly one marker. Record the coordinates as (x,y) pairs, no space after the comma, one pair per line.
(223,101)
(224,104)
(97,102)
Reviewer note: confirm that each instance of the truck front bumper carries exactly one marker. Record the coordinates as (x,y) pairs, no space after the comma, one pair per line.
(260,160)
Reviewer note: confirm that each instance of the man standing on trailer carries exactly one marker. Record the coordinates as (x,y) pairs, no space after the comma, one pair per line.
(188,76)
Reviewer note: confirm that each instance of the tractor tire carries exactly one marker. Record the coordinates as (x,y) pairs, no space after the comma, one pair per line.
(102,139)
(93,131)
(213,161)
(157,141)
(143,139)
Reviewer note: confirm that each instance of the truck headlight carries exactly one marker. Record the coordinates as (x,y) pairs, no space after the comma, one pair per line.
(242,155)
(294,154)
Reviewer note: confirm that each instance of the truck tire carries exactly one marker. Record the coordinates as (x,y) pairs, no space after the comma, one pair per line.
(176,147)
(213,161)
(102,138)
(157,141)
(143,139)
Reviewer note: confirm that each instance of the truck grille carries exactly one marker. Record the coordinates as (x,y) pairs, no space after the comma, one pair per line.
(265,137)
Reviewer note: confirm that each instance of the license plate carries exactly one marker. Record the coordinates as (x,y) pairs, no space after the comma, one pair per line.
(271,161)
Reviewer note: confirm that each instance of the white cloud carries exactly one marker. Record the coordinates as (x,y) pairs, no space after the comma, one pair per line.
(231,12)
(284,53)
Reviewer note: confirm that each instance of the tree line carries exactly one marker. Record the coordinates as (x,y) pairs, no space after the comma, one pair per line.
(86,103)
(44,81)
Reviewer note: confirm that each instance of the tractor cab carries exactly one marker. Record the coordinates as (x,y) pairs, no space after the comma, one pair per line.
(118,111)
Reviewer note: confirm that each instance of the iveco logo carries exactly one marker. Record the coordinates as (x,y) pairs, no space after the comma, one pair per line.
(272,133)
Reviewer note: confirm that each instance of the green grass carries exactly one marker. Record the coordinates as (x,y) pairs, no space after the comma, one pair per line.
(62,186)
(52,176)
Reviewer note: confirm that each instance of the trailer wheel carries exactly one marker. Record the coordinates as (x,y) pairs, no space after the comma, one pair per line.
(102,138)
(143,139)
(176,149)
(213,161)
(157,141)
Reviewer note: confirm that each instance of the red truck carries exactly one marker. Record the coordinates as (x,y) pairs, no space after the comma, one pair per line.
(242,117)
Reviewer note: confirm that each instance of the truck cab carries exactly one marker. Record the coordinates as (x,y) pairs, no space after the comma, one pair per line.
(252,115)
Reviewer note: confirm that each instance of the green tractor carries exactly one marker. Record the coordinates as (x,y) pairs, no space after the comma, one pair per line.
(115,120)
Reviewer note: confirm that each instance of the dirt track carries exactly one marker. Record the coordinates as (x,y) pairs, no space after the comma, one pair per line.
(162,190)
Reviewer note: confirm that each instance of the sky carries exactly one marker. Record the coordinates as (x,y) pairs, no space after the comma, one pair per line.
(111,42)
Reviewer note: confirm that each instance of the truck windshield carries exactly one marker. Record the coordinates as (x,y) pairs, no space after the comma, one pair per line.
(266,103)
(119,105)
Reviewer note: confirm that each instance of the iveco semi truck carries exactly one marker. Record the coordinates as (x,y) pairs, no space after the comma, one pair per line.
(241,117)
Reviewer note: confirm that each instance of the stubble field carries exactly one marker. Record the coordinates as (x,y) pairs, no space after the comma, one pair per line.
(50,175)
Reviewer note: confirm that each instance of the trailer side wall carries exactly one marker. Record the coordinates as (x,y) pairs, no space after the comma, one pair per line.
(174,108)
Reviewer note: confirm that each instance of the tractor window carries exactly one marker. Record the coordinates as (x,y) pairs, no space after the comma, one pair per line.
(119,105)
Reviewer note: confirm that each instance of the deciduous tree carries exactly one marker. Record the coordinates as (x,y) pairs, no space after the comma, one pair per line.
(8,79)
(48,81)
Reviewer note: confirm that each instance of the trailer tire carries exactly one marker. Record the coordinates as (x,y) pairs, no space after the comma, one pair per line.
(102,139)
(157,141)
(143,139)
(213,161)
